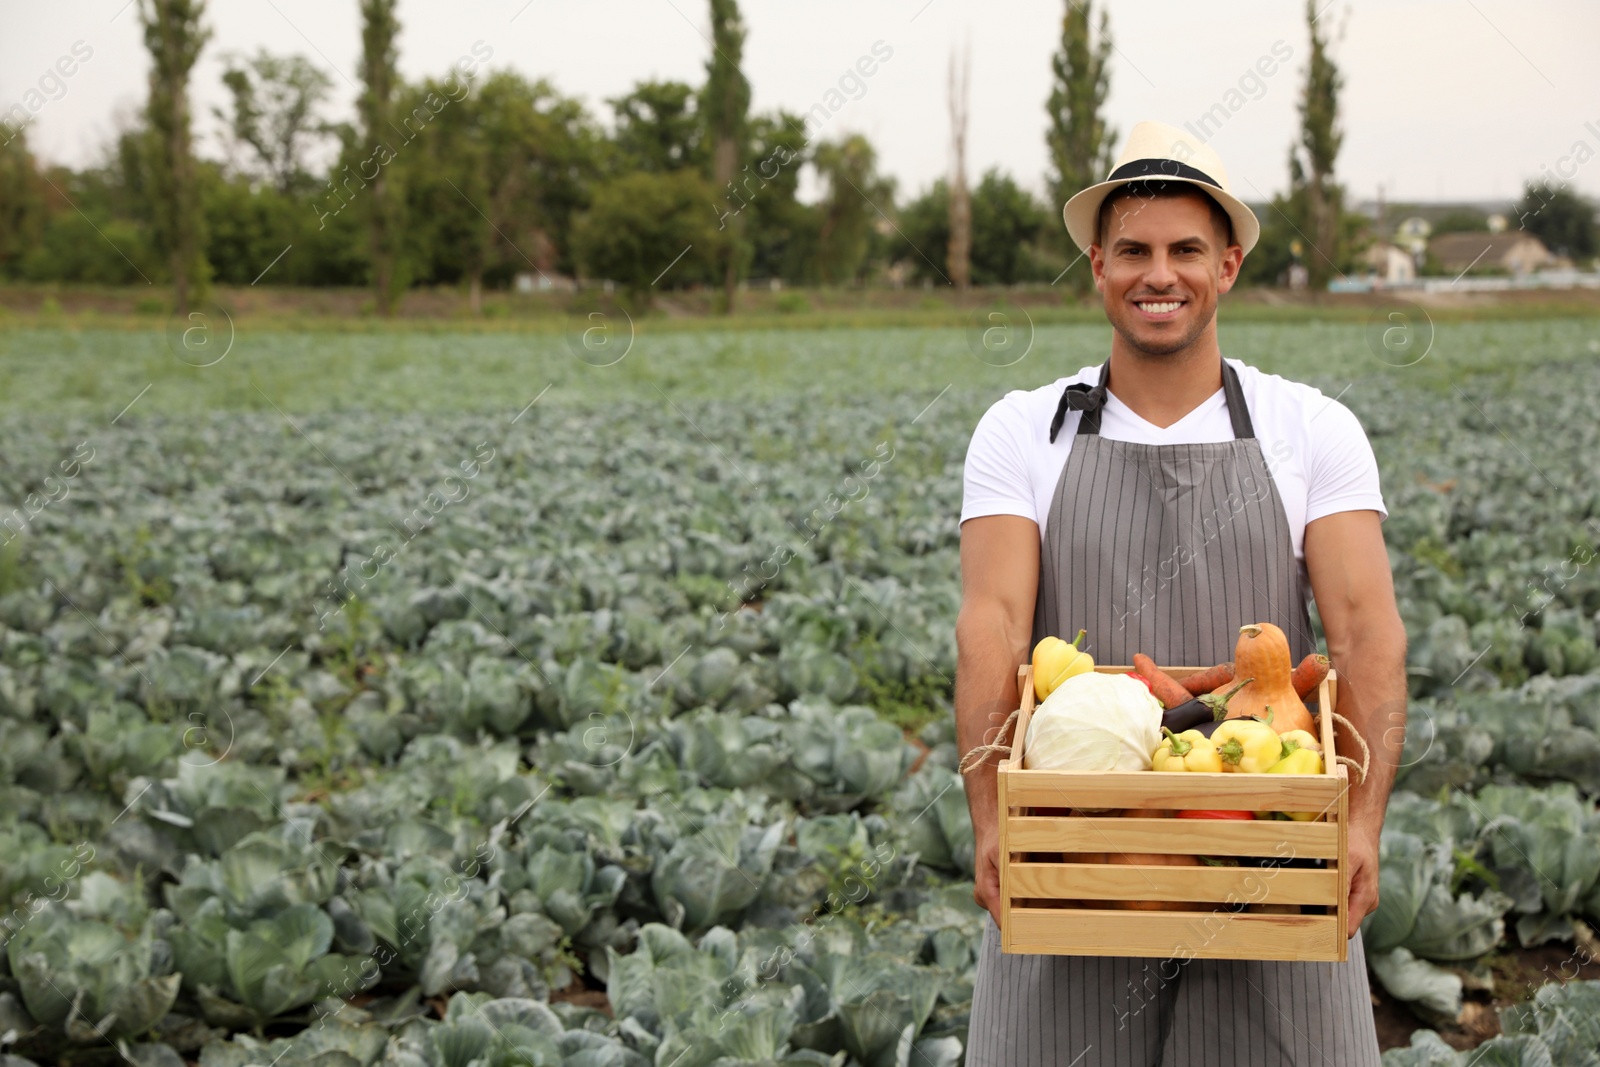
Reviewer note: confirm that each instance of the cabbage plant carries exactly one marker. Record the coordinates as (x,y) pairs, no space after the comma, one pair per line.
(1545,844)
(92,980)
(1418,910)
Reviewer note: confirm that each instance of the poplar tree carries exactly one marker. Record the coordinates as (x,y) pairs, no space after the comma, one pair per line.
(726,109)
(379,28)
(1312,187)
(174,35)
(1080,142)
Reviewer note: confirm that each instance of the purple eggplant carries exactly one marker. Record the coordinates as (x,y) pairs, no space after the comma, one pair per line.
(1186,716)
(1202,713)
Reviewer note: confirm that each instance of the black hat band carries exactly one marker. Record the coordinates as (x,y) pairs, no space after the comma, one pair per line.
(1161,168)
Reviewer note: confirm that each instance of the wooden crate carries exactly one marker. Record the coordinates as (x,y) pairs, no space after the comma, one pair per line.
(1062,895)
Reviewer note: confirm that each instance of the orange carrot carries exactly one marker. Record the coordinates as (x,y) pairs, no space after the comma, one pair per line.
(1162,684)
(1312,670)
(1209,680)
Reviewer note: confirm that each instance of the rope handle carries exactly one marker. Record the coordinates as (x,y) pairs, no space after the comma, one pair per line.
(978,754)
(1366,753)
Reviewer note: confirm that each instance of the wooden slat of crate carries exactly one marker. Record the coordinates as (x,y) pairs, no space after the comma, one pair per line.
(1197,934)
(1082,833)
(1210,885)
(1146,789)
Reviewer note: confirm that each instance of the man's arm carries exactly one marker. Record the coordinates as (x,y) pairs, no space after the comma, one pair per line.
(999,580)
(1354,590)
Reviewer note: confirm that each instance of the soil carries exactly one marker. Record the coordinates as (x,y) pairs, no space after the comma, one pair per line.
(922,751)
(583,996)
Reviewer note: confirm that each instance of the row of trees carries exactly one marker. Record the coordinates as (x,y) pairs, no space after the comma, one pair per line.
(468,178)
(475,176)
(465,179)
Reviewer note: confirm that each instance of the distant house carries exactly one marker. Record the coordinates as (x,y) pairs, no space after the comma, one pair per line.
(1390,265)
(529,282)
(1514,252)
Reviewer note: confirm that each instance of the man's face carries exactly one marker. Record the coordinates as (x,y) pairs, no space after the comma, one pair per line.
(1161,268)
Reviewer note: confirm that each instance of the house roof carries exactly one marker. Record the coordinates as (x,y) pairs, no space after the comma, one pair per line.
(1487,248)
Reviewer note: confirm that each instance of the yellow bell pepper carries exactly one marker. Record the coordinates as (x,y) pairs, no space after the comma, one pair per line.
(1247,745)
(1055,660)
(1188,751)
(1301,739)
(1298,760)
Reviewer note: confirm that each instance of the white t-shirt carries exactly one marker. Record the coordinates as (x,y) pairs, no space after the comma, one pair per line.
(1315,448)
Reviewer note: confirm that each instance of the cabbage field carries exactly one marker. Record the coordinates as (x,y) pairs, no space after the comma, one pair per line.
(466,700)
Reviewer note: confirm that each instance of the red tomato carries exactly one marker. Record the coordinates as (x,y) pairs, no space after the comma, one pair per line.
(1209,814)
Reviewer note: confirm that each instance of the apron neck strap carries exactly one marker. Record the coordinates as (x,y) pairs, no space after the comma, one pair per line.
(1090,400)
(1238,411)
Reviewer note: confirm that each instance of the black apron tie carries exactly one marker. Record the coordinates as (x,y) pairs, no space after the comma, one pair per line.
(1081,397)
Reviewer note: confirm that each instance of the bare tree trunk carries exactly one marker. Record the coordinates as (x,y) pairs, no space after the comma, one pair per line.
(959,254)
(381,236)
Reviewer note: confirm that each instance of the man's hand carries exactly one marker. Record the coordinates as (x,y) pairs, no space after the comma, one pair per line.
(1363,877)
(986,878)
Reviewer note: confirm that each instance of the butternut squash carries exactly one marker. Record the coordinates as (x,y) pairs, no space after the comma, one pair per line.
(1262,655)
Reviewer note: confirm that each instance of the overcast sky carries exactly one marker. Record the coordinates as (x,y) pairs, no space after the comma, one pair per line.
(1444,99)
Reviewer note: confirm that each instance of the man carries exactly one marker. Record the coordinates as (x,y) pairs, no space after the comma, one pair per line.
(1162,501)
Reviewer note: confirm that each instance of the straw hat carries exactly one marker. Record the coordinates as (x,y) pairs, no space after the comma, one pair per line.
(1156,151)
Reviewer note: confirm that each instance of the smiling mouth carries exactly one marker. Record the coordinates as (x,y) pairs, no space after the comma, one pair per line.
(1158,309)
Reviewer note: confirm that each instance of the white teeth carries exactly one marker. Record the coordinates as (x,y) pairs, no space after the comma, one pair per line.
(1161,309)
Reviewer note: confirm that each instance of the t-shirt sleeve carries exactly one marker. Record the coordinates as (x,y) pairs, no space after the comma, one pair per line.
(1343,473)
(995,480)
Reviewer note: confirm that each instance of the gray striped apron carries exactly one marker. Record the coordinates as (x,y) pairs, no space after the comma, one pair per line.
(1167,550)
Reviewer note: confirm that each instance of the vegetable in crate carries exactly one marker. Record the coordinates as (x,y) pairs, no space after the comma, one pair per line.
(1298,759)
(1055,660)
(1094,722)
(1200,711)
(1248,745)
(1217,813)
(1310,673)
(1262,655)
(1209,680)
(1300,739)
(1168,691)
(1188,751)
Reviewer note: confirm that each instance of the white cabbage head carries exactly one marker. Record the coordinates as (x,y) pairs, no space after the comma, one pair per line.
(1094,722)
